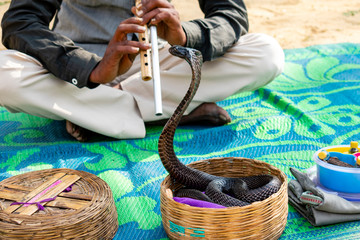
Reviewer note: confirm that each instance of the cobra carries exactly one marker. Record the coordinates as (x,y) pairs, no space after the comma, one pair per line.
(217,189)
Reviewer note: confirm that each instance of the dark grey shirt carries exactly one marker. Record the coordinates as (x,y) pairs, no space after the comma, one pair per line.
(83,28)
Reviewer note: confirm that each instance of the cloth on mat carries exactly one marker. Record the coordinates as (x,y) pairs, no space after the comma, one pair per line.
(328,209)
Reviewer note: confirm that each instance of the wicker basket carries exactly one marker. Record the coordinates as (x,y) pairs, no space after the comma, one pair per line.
(87,211)
(260,220)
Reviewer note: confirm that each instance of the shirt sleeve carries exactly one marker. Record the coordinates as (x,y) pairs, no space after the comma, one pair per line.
(224,22)
(25,28)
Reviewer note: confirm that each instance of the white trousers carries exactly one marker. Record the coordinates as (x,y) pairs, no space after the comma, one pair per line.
(26,86)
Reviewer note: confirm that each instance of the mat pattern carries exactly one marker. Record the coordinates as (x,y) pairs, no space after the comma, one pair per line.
(313,104)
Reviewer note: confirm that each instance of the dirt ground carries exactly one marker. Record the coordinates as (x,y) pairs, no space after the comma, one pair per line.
(294,23)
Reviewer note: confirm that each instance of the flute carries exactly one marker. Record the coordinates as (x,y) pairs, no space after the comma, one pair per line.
(149,60)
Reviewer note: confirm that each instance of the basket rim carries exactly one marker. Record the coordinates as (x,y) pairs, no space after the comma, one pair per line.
(283,187)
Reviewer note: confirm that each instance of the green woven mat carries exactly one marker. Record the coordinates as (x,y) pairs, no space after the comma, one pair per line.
(315,103)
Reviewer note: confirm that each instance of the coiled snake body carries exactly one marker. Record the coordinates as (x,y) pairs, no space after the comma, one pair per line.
(246,190)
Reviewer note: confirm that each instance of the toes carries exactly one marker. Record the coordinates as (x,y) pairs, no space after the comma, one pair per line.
(76,131)
(221,116)
(207,114)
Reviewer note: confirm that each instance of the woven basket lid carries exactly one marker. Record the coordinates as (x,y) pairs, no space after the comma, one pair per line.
(76,205)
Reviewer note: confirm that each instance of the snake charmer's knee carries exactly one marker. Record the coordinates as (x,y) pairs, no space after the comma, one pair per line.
(272,59)
(11,72)
(20,74)
(261,58)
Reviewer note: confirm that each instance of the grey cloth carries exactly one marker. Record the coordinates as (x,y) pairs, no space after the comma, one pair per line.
(92,23)
(333,209)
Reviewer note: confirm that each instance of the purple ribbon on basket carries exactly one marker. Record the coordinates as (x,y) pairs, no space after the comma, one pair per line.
(68,189)
(41,207)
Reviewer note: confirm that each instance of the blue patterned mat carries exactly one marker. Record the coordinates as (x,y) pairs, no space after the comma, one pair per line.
(313,104)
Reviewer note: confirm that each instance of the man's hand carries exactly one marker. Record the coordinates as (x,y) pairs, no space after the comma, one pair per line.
(162,14)
(120,52)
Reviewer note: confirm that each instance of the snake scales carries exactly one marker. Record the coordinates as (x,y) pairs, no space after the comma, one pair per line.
(217,189)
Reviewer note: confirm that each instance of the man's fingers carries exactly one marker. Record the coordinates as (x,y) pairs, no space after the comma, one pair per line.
(148,6)
(167,15)
(126,49)
(162,15)
(148,9)
(129,47)
(130,25)
(123,29)
(119,50)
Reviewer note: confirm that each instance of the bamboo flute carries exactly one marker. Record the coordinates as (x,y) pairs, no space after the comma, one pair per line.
(149,60)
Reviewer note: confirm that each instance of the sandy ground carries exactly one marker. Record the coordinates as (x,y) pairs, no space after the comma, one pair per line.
(294,23)
(297,23)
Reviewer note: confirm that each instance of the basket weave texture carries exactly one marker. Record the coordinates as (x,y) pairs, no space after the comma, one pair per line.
(260,220)
(86,212)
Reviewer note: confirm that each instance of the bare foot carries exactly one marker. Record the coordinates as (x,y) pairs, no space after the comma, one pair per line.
(117,86)
(205,114)
(79,133)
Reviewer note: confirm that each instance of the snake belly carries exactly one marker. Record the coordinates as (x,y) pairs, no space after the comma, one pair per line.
(221,190)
